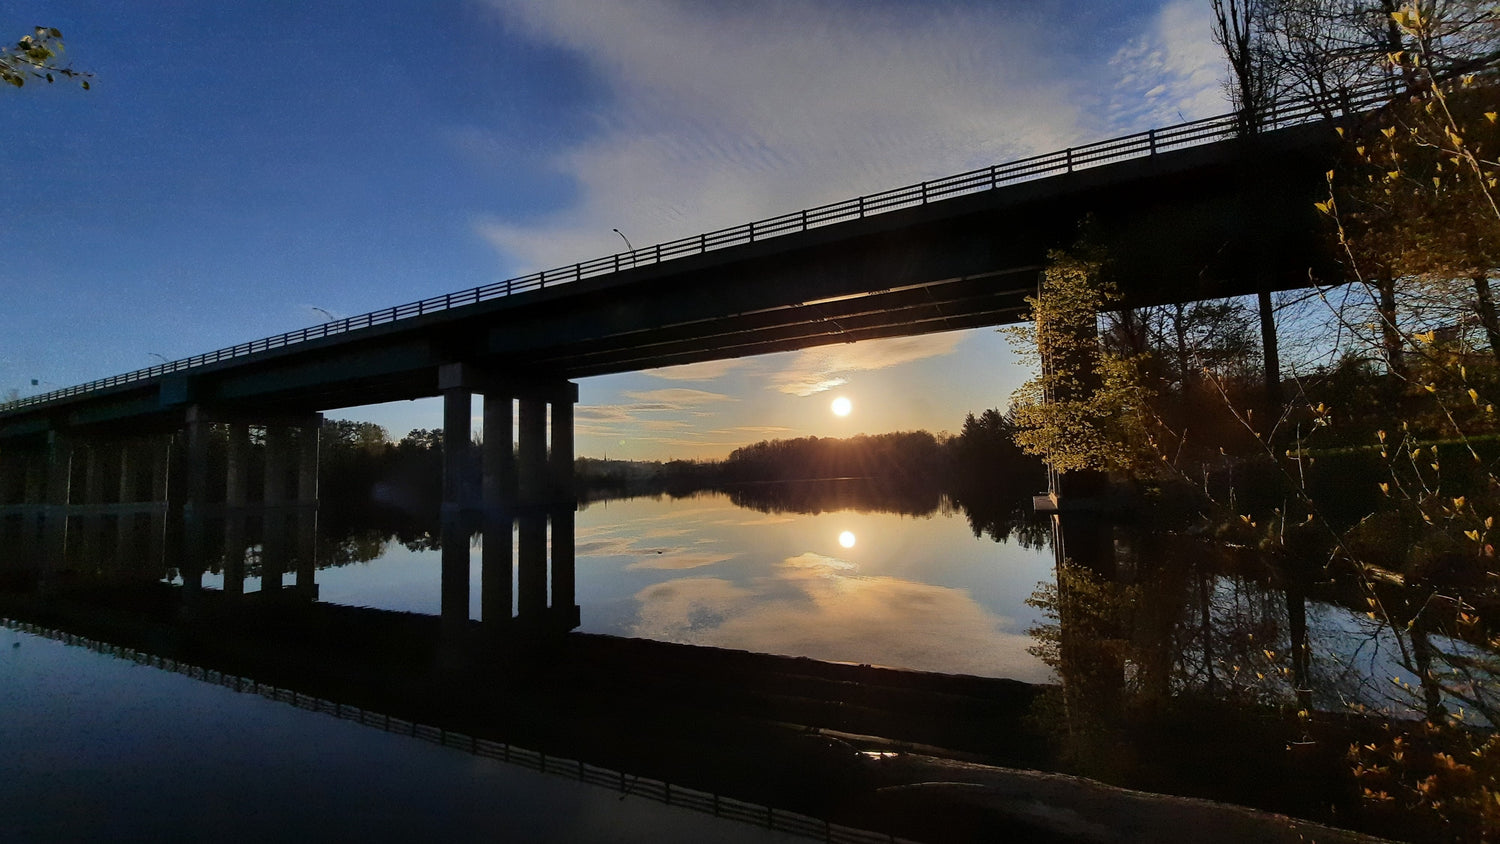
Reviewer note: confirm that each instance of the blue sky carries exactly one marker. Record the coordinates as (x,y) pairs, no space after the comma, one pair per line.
(238,168)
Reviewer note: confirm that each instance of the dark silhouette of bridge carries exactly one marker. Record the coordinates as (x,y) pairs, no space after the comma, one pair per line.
(1187,212)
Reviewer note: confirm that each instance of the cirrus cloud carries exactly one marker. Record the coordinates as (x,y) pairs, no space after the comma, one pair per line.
(826,367)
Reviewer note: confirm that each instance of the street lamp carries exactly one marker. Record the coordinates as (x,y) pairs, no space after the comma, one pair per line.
(624,238)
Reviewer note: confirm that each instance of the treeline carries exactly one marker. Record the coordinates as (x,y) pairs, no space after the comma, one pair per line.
(362,468)
(981,461)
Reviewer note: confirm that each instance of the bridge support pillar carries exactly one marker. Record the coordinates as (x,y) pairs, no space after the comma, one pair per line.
(497,567)
(13,467)
(306,524)
(59,468)
(531,451)
(130,476)
(273,549)
(237,466)
(307,461)
(564,574)
(274,488)
(531,566)
(523,484)
(560,457)
(457,429)
(35,483)
(93,474)
(161,468)
(198,428)
(235,545)
(498,486)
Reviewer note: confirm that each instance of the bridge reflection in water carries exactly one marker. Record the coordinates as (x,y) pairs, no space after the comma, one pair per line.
(1140,622)
(527,557)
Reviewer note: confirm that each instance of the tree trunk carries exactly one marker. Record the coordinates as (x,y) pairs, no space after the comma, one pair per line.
(1485,302)
(1389,333)
(1183,353)
(1271,355)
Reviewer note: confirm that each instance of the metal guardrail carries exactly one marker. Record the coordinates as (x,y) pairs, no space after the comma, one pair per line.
(1137,145)
(629,785)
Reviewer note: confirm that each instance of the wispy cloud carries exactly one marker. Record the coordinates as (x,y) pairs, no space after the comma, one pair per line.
(645,413)
(827,367)
(1170,73)
(678,398)
(705,371)
(722,113)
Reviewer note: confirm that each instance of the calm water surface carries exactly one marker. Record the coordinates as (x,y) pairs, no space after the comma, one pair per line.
(98,748)
(918,592)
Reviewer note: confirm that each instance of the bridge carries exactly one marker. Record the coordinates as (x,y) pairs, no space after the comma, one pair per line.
(1191,211)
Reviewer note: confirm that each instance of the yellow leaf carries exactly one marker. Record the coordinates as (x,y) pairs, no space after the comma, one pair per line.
(1385,488)
(1458,502)
(1472,534)
(1489,522)
(1491,116)
(1474,396)
(1380,434)
(1431,388)
(1389,132)
(1426,337)
(1325,207)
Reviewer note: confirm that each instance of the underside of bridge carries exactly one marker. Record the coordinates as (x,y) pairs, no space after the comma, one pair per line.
(1226,218)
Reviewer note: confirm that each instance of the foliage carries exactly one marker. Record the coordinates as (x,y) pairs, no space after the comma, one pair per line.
(1083,410)
(1413,207)
(1442,777)
(904,456)
(35,56)
(1383,481)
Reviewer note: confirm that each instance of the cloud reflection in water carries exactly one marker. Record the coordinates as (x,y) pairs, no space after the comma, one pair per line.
(819,606)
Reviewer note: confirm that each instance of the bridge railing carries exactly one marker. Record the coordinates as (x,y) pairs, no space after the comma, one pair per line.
(1137,145)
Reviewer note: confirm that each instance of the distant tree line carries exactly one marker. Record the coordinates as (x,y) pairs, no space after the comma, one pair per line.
(361,468)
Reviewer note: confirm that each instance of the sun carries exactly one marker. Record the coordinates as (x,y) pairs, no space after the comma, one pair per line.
(846,539)
(842,406)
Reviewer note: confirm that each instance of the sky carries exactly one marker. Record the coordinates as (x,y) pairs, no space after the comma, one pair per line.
(238,170)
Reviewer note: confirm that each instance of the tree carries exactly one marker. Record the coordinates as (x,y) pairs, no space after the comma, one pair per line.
(1083,411)
(35,56)
(1240,28)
